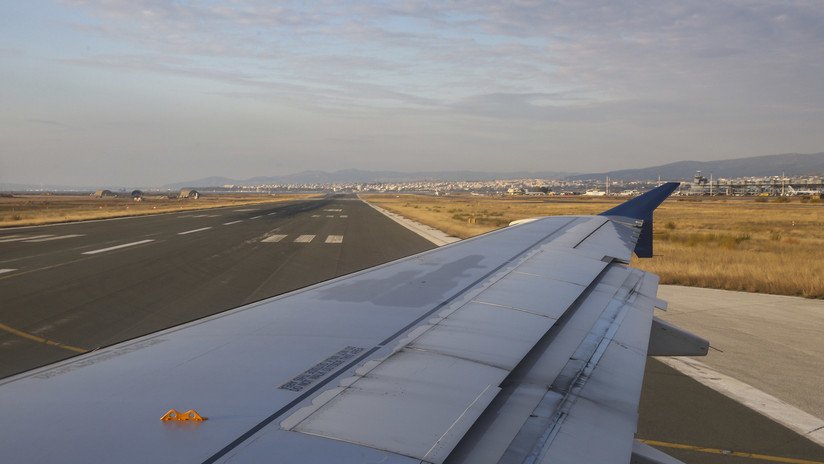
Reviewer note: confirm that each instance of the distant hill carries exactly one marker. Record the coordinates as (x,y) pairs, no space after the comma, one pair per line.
(359,176)
(792,164)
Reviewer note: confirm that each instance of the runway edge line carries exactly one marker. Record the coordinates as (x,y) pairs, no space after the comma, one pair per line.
(763,403)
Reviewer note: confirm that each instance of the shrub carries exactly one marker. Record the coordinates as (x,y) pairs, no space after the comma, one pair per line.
(670,225)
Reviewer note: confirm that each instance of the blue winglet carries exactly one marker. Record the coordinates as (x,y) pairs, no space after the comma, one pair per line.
(641,208)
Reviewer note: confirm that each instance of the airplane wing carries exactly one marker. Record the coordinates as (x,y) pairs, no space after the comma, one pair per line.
(526,344)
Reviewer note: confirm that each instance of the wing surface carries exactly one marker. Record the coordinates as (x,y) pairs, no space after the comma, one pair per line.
(521,345)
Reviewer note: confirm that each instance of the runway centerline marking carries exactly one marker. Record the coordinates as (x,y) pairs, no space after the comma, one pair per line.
(740,454)
(233,222)
(30,237)
(333,210)
(316,215)
(334,239)
(35,338)
(244,210)
(256,217)
(3,271)
(344,216)
(194,230)
(117,247)
(273,238)
(272,214)
(59,237)
(304,239)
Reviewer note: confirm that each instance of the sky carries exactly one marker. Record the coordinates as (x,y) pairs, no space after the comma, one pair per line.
(147,92)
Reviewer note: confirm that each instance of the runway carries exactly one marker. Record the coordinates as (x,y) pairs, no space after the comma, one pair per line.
(72,288)
(75,287)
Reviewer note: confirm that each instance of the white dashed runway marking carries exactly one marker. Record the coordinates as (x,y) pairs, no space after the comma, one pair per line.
(230,223)
(272,214)
(18,238)
(256,217)
(316,215)
(344,216)
(48,239)
(245,210)
(333,210)
(3,271)
(302,238)
(117,247)
(193,231)
(334,239)
(331,215)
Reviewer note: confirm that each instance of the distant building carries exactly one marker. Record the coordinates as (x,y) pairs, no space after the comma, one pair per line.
(104,194)
(189,193)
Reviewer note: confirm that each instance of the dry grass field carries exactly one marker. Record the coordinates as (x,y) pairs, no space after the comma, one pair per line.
(24,210)
(755,245)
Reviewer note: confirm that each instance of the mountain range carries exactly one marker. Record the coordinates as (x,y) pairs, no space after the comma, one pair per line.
(358,176)
(791,164)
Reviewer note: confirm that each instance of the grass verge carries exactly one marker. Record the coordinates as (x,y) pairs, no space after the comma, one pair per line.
(732,244)
(27,210)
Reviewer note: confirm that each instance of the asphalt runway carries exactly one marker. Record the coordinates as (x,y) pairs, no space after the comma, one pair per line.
(70,288)
(76,287)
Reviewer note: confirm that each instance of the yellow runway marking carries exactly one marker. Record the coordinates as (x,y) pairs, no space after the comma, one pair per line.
(740,454)
(35,338)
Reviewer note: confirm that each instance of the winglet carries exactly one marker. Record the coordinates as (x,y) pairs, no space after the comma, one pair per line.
(641,208)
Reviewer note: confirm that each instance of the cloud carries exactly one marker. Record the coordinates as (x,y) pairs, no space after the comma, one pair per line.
(48,122)
(613,49)
(454,76)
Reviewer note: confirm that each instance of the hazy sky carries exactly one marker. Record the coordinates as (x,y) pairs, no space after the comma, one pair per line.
(144,92)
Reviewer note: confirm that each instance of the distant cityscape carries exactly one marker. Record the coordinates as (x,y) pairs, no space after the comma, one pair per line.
(769,175)
(700,185)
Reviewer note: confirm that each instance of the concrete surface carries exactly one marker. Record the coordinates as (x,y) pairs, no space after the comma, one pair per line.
(436,236)
(773,343)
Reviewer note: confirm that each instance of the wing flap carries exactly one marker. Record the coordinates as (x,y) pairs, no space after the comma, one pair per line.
(407,406)
(417,402)
(605,410)
(581,380)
